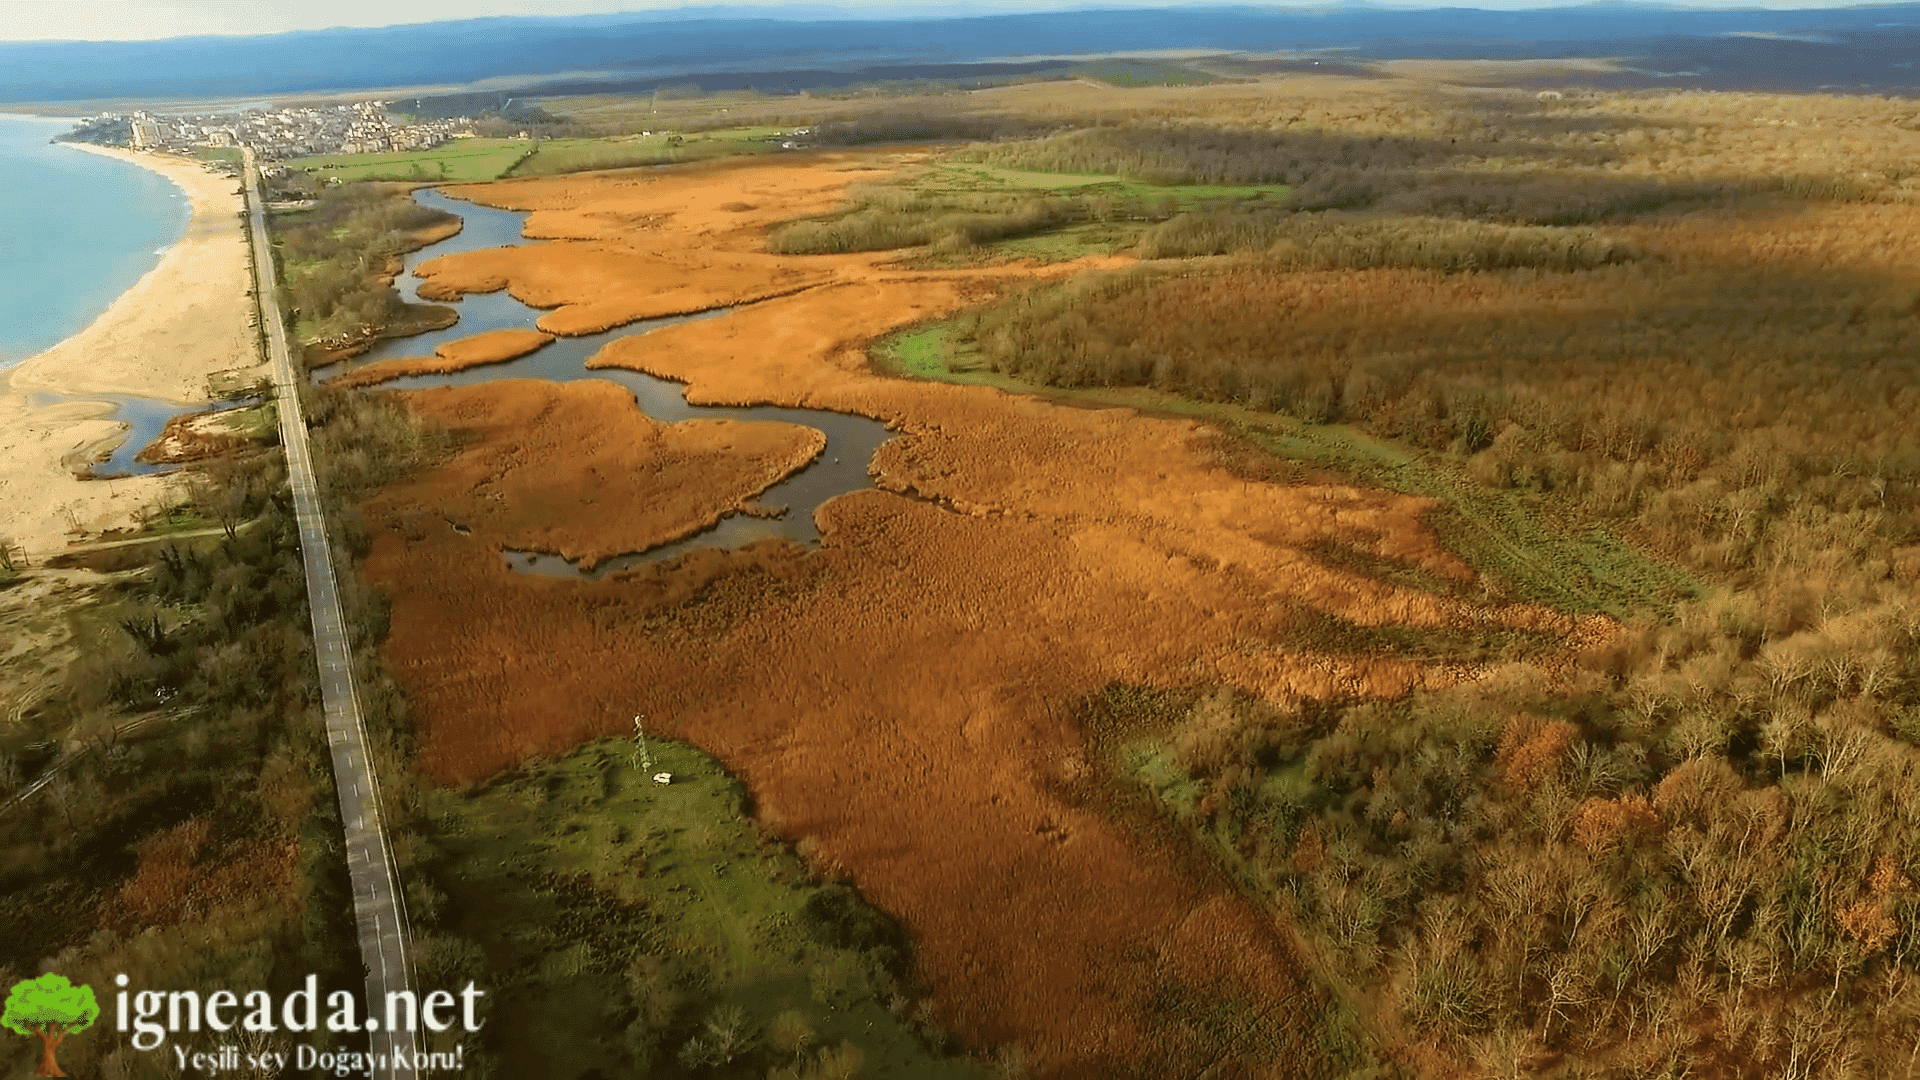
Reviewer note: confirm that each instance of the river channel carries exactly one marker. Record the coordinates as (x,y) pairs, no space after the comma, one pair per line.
(840,468)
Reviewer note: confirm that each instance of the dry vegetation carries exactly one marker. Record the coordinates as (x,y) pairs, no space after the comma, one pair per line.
(603,452)
(491,347)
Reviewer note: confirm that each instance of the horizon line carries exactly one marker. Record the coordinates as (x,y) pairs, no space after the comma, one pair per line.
(943,12)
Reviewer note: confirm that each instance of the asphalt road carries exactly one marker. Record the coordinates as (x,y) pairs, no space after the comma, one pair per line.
(376,904)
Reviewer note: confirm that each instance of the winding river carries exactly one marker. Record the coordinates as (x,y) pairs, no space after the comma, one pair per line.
(840,468)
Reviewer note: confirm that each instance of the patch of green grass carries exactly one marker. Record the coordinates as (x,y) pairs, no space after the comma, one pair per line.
(617,916)
(929,352)
(631,151)
(175,519)
(1521,544)
(1058,245)
(456,160)
(1129,72)
(255,422)
(218,153)
(961,214)
(969,177)
(1524,543)
(1109,235)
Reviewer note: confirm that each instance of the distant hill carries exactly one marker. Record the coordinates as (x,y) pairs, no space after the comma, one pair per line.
(1863,45)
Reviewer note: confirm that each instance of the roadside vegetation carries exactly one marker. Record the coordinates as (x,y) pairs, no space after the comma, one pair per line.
(166,799)
(167,810)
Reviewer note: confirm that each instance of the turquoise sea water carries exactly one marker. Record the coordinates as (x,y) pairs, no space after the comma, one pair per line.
(76,231)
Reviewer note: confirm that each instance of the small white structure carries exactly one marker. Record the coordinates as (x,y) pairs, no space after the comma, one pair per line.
(646,755)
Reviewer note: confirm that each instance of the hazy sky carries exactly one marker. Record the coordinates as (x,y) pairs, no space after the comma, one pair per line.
(121,20)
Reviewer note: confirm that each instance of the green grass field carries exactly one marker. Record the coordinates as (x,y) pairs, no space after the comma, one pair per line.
(1519,542)
(617,916)
(629,151)
(255,421)
(664,111)
(458,160)
(962,176)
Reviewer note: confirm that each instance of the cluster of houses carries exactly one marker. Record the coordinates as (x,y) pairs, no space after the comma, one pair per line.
(277,134)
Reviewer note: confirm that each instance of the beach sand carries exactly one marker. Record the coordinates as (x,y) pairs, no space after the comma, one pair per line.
(186,319)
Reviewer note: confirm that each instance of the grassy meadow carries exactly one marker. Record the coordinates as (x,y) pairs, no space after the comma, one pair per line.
(228,154)
(551,156)
(482,159)
(633,927)
(455,161)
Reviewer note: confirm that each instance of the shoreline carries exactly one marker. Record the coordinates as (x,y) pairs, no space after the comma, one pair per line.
(182,321)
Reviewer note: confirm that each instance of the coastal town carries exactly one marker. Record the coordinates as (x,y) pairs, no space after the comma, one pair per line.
(364,127)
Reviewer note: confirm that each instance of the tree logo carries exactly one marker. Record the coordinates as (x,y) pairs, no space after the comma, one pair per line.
(50,1008)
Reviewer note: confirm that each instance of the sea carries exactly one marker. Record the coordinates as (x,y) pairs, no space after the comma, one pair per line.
(76,231)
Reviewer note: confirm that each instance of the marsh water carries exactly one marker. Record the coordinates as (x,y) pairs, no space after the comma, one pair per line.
(840,468)
(145,419)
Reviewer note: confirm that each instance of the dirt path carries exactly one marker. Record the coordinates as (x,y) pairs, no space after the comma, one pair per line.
(897,697)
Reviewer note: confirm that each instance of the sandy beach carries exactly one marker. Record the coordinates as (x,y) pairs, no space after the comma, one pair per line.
(186,319)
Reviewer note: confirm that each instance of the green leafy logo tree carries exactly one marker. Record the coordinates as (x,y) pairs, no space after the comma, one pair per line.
(51,1008)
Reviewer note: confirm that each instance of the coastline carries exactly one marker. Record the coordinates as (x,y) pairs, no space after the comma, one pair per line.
(181,322)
